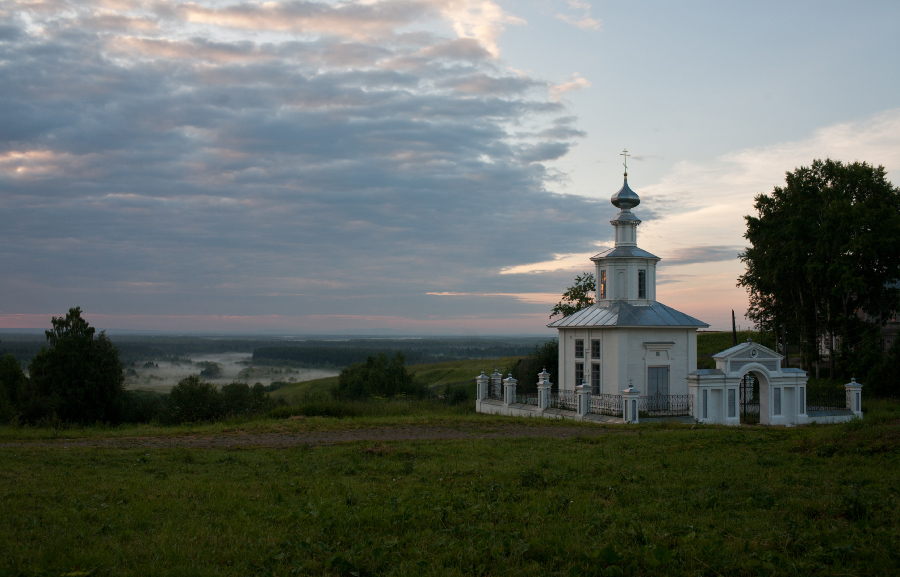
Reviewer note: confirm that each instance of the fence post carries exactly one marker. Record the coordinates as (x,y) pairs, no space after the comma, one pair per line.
(481,382)
(854,397)
(583,392)
(509,390)
(544,385)
(496,383)
(630,404)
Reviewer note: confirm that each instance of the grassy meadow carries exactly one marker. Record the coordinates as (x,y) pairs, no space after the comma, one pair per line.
(643,500)
(437,376)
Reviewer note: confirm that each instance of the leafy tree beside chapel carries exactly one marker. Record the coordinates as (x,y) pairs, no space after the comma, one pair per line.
(78,376)
(578,296)
(824,259)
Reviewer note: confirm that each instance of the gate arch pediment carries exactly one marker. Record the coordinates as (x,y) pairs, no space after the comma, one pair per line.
(745,357)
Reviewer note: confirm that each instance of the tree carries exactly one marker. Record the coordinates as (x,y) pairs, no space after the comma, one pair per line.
(578,296)
(78,377)
(378,376)
(12,386)
(823,254)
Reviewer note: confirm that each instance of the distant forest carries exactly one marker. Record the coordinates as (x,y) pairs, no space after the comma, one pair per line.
(335,354)
(318,353)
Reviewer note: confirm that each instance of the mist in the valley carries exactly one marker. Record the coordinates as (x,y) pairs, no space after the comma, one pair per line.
(161,375)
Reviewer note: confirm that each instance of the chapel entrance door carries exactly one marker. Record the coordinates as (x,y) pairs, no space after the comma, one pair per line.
(749,392)
(657,389)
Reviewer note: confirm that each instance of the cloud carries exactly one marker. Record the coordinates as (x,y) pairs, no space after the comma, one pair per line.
(702,205)
(356,20)
(482,20)
(206,166)
(575,83)
(580,15)
(702,254)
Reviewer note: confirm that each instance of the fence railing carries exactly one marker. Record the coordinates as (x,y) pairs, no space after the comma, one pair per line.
(495,391)
(666,405)
(564,400)
(825,399)
(527,398)
(606,405)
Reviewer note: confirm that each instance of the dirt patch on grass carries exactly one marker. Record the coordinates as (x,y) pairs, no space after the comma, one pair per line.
(312,438)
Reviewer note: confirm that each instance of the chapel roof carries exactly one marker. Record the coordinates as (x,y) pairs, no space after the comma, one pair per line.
(623,252)
(623,314)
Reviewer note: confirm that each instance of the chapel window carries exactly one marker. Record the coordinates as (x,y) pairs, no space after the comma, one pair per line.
(642,284)
(595,348)
(579,374)
(579,348)
(595,378)
(602,284)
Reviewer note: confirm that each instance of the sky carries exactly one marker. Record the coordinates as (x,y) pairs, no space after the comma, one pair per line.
(408,166)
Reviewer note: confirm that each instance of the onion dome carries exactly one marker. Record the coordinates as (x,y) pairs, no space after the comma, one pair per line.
(625,199)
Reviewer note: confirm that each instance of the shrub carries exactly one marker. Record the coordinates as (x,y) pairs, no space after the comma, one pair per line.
(143,407)
(13,386)
(193,400)
(240,398)
(380,377)
(545,356)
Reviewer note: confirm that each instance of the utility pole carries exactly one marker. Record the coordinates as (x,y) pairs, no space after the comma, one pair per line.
(733,329)
(787,359)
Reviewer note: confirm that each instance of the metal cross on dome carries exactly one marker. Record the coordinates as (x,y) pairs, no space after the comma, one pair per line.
(626,155)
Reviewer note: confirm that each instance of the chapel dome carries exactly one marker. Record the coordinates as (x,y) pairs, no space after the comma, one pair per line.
(625,199)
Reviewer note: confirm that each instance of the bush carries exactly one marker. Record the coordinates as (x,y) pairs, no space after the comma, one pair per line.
(13,387)
(143,407)
(193,400)
(240,398)
(545,356)
(378,377)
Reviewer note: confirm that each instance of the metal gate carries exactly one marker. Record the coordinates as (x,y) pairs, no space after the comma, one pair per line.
(749,390)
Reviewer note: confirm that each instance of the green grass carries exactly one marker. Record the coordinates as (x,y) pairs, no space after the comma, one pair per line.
(295,392)
(437,376)
(455,372)
(671,500)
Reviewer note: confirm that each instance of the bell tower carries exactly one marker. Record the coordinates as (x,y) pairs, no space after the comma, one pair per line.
(625,272)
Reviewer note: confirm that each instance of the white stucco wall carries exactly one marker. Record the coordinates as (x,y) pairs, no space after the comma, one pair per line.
(627,353)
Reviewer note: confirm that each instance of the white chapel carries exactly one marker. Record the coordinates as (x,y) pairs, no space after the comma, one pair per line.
(629,357)
(627,338)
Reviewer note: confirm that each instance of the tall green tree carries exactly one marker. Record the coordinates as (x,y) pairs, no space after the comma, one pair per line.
(823,254)
(78,376)
(578,296)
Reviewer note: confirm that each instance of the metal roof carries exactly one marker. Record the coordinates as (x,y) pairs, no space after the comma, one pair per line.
(624,252)
(623,314)
(626,199)
(716,372)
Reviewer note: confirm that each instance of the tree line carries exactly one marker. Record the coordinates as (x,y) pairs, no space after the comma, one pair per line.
(414,354)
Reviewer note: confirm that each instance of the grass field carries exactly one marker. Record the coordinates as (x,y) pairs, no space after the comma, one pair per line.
(436,376)
(642,500)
